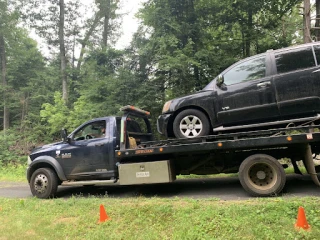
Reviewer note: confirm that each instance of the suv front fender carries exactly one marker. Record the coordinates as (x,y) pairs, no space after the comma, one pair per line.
(46,161)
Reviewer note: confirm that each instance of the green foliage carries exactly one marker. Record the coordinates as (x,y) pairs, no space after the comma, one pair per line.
(56,115)
(10,153)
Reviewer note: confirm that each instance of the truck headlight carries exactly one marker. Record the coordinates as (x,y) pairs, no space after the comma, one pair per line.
(166,107)
(29,161)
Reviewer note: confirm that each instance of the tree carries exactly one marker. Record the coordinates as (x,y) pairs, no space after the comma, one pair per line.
(8,21)
(306,22)
(56,22)
(63,52)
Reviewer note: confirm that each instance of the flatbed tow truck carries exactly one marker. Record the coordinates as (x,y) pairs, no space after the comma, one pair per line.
(128,155)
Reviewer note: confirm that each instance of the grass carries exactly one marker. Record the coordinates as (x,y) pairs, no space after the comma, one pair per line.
(156,218)
(16,173)
(153,218)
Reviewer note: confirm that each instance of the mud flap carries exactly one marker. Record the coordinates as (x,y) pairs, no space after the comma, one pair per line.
(309,164)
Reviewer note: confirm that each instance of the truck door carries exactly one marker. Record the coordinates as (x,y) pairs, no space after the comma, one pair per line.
(247,93)
(88,154)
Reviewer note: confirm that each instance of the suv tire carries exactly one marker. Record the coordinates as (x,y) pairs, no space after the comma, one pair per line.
(191,123)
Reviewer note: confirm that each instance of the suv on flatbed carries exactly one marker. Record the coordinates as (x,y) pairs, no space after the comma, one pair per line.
(276,87)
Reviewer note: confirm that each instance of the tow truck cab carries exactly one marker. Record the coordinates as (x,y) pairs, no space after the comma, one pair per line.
(89,154)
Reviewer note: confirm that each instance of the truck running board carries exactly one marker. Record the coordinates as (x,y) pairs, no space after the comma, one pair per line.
(221,128)
(91,182)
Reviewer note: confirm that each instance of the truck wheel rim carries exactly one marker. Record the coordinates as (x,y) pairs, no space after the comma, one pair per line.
(41,183)
(191,126)
(262,176)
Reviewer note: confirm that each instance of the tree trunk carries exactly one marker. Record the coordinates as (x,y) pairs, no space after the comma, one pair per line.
(4,83)
(306,22)
(63,53)
(107,10)
(249,33)
(84,42)
(317,25)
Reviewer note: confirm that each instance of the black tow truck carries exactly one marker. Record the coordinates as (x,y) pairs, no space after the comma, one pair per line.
(121,150)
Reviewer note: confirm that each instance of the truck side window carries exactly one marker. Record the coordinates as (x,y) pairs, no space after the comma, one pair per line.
(91,130)
(249,70)
(295,59)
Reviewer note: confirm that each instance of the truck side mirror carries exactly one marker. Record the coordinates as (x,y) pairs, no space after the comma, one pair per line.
(220,80)
(64,135)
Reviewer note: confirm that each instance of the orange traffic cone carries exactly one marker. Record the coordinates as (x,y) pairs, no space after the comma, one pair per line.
(103,215)
(302,220)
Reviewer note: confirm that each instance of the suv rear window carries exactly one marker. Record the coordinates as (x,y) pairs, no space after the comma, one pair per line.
(295,59)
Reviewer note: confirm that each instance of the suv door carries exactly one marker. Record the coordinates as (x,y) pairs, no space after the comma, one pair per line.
(297,82)
(247,94)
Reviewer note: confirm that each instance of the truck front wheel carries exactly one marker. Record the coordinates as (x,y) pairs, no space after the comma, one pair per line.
(44,183)
(262,175)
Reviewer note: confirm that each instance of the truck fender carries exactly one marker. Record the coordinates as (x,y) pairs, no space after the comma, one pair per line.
(43,161)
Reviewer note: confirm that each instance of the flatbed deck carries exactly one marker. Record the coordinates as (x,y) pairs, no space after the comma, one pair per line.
(275,138)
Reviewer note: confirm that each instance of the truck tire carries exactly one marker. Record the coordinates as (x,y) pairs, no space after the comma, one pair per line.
(191,123)
(44,183)
(262,175)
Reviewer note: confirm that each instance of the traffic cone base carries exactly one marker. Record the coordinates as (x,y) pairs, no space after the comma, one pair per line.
(302,220)
(103,215)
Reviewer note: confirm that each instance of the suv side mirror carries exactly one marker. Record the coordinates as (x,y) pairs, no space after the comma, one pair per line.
(220,80)
(64,135)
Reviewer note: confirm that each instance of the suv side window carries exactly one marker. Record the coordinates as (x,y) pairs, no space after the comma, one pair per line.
(292,60)
(249,70)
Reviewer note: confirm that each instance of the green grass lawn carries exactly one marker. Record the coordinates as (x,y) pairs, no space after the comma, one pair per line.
(16,173)
(156,218)
(153,218)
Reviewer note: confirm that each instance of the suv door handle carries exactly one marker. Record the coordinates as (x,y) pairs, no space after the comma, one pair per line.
(263,84)
(99,144)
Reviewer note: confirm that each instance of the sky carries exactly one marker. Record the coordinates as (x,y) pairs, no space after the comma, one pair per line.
(129,24)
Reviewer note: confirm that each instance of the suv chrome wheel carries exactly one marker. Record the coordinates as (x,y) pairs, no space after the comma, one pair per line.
(191,123)
(191,126)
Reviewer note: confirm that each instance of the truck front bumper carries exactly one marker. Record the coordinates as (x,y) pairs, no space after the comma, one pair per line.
(162,123)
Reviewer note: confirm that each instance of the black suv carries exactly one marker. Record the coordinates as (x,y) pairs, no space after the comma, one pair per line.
(279,86)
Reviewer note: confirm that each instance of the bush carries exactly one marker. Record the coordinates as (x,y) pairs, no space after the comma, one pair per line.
(10,152)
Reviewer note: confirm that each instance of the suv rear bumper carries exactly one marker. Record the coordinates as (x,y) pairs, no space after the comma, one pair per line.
(162,124)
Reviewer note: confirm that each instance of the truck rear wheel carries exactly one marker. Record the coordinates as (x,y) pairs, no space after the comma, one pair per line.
(262,175)
(44,183)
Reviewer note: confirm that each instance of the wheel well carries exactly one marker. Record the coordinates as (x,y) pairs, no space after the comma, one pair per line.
(170,123)
(40,165)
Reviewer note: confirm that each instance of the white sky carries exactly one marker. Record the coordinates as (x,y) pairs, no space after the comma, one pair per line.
(128,27)
(129,22)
